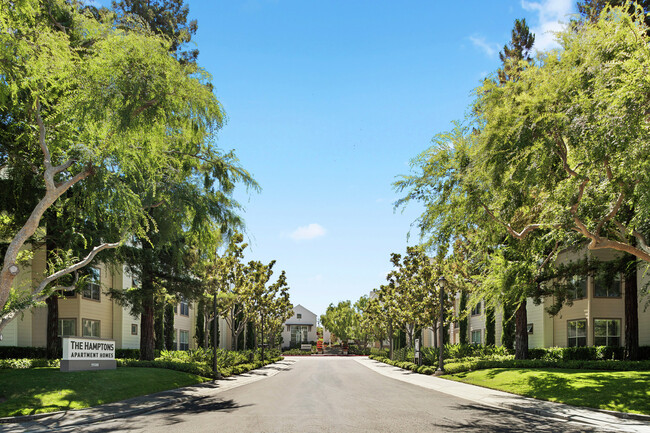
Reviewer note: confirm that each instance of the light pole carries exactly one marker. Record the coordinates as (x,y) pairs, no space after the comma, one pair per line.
(441,369)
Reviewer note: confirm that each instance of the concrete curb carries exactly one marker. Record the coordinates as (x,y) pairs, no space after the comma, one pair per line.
(514,402)
(148,407)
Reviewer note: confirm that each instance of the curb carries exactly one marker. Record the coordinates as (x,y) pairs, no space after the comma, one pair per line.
(21,419)
(543,412)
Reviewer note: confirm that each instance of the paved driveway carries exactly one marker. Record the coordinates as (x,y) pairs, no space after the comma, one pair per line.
(329,394)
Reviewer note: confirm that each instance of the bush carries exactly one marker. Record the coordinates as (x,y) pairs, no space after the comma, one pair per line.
(15,352)
(296,352)
(28,363)
(357,350)
(459,367)
(380,352)
(128,353)
(198,368)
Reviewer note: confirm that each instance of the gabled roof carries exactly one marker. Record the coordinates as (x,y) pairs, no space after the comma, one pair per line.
(303,309)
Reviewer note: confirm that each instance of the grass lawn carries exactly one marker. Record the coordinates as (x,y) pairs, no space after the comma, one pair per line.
(38,390)
(623,391)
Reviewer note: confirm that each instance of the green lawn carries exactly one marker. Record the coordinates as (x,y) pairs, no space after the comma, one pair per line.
(38,390)
(623,391)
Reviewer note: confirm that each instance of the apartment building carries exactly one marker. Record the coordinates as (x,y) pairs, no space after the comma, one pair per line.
(92,313)
(596,317)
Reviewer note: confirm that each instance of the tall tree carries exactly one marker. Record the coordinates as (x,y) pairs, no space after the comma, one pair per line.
(110,94)
(578,119)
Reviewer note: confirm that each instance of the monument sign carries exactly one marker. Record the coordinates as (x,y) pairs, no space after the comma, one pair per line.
(87,354)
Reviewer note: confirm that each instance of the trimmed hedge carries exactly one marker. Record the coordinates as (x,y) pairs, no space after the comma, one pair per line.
(198,368)
(15,352)
(608,365)
(481,364)
(28,363)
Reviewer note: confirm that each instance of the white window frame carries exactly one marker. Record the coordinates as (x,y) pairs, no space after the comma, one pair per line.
(607,335)
(576,337)
(60,327)
(91,322)
(93,289)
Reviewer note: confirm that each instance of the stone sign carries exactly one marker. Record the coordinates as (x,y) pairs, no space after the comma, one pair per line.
(87,354)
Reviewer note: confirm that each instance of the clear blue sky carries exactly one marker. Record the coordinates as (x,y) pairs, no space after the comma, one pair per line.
(327,101)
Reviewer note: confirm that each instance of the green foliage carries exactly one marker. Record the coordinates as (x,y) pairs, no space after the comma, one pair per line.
(21,363)
(340,320)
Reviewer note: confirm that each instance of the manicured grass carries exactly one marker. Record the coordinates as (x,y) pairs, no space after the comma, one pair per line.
(38,390)
(623,391)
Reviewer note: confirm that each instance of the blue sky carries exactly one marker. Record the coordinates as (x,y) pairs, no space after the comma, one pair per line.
(327,101)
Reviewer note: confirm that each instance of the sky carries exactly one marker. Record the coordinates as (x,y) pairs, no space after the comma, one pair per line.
(328,101)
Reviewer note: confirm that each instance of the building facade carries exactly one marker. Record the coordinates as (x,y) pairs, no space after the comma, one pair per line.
(595,318)
(92,312)
(299,328)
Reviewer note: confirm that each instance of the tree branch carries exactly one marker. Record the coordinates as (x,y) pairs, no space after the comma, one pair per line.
(37,293)
(519,235)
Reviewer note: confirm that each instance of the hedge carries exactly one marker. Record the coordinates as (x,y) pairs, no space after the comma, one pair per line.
(481,364)
(20,363)
(201,369)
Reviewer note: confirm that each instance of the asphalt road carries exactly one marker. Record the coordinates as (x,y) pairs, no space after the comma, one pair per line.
(329,394)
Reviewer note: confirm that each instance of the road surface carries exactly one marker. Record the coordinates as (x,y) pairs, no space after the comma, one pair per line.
(332,394)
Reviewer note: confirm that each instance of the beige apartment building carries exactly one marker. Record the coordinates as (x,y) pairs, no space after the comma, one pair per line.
(596,318)
(93,313)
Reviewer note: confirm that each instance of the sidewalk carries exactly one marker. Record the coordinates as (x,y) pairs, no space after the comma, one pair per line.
(137,405)
(614,421)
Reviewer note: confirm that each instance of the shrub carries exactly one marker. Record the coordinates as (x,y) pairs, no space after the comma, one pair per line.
(28,363)
(127,353)
(15,352)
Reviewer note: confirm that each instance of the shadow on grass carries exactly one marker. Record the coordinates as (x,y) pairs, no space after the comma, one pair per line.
(621,391)
(484,419)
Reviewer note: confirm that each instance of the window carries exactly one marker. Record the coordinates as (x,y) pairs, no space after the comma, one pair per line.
(134,329)
(90,328)
(476,310)
(607,285)
(185,308)
(577,333)
(67,327)
(530,328)
(93,287)
(476,337)
(607,332)
(299,334)
(299,316)
(184,340)
(579,289)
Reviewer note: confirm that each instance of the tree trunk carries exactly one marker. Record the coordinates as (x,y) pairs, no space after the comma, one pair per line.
(169,327)
(490,326)
(262,326)
(53,344)
(631,309)
(521,332)
(146,326)
(390,341)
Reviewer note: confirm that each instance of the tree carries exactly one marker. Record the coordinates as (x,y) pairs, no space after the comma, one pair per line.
(340,320)
(111,94)
(165,17)
(578,118)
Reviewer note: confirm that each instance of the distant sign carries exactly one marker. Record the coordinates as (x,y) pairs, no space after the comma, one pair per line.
(417,344)
(305,347)
(87,354)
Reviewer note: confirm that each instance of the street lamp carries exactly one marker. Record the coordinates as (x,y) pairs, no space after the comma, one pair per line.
(441,369)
